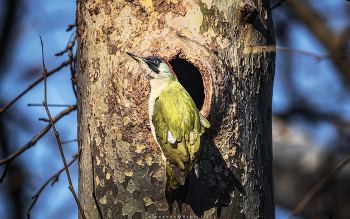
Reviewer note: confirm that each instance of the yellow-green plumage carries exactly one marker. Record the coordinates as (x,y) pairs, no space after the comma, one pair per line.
(175,121)
(175,111)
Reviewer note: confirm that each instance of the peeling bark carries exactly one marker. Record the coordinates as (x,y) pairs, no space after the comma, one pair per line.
(120,162)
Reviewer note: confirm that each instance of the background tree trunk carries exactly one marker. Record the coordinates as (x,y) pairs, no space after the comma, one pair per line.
(120,168)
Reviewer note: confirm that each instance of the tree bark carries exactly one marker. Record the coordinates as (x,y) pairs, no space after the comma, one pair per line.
(121,172)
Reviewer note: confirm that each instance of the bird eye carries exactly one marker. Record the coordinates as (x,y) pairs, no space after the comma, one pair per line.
(156,61)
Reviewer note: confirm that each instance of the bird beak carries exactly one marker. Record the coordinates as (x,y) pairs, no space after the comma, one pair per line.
(137,58)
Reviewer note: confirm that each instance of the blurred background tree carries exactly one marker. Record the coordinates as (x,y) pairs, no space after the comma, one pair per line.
(311,106)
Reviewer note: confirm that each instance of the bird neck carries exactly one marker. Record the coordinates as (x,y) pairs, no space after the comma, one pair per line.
(157,87)
(159,84)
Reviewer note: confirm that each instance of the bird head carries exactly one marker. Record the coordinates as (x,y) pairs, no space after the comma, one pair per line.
(154,67)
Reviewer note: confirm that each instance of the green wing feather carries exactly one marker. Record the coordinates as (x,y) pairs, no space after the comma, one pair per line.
(175,111)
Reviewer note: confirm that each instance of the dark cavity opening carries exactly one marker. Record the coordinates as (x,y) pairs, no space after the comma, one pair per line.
(191,79)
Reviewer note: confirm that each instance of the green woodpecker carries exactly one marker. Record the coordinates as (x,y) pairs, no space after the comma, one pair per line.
(176,124)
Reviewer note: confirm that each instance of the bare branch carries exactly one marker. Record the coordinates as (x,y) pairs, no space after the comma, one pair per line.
(71,59)
(44,119)
(4,173)
(53,105)
(72,70)
(309,54)
(277,4)
(332,42)
(71,27)
(37,137)
(260,49)
(70,46)
(70,141)
(54,179)
(35,83)
(59,142)
(319,185)
(93,186)
(45,71)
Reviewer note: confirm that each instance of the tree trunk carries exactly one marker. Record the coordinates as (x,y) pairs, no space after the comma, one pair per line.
(121,172)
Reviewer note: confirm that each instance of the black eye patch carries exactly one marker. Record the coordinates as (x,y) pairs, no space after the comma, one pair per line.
(153,63)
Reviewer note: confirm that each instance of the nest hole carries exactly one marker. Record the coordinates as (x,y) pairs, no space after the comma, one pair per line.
(191,79)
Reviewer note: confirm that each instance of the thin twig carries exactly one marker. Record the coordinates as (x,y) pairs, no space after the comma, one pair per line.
(4,173)
(37,137)
(71,44)
(93,185)
(273,48)
(310,54)
(71,27)
(35,83)
(71,59)
(70,141)
(318,186)
(53,105)
(44,119)
(75,156)
(54,179)
(278,4)
(333,42)
(297,52)
(72,70)
(45,71)
(59,142)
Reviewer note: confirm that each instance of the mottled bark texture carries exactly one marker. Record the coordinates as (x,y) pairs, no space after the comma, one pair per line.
(120,163)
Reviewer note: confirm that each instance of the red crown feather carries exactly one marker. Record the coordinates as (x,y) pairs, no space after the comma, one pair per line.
(171,67)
